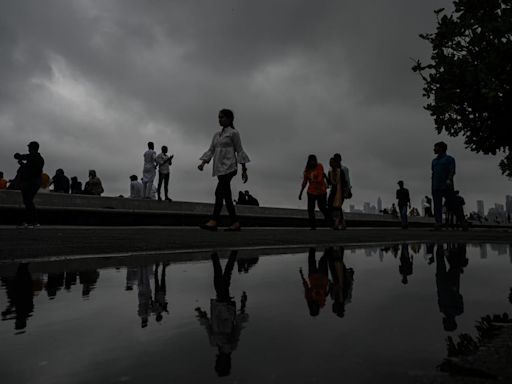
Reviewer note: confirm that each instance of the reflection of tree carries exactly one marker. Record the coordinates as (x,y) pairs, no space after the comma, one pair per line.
(224,325)
(406,263)
(20,297)
(342,280)
(450,301)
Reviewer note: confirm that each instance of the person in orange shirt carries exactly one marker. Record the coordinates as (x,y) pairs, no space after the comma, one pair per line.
(314,175)
(3,182)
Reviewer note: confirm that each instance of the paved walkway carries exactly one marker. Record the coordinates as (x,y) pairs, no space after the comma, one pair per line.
(60,241)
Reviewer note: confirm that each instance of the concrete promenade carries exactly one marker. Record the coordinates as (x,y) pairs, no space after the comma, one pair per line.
(60,209)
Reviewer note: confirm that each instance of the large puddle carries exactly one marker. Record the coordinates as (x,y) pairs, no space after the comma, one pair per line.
(376,314)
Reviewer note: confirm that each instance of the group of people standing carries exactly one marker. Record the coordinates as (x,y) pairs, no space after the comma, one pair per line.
(443,172)
(317,181)
(227,152)
(152,162)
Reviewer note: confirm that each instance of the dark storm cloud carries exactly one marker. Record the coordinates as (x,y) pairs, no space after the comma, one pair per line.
(94,80)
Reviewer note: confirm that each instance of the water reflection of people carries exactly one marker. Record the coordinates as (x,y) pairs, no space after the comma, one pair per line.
(316,288)
(144,295)
(224,325)
(342,280)
(70,280)
(88,279)
(406,263)
(160,303)
(132,275)
(449,298)
(246,263)
(54,283)
(20,297)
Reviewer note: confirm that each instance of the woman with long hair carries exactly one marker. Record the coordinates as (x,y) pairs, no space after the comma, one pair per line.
(314,178)
(227,151)
(337,193)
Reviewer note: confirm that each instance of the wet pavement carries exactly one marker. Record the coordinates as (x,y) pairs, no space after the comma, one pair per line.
(65,241)
(357,315)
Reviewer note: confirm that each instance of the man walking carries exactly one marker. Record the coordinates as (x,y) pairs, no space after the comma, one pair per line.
(443,171)
(31,170)
(163,162)
(404,202)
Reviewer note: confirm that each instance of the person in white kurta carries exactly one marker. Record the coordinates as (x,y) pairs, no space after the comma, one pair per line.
(149,170)
(226,151)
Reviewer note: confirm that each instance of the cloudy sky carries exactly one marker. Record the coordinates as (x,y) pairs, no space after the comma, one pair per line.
(94,80)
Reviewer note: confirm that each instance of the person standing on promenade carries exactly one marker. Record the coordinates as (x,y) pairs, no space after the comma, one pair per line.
(31,172)
(317,190)
(348,187)
(149,170)
(227,151)
(428,207)
(337,193)
(404,202)
(163,161)
(443,171)
(3,182)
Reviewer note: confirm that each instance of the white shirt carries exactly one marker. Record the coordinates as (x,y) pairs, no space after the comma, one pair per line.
(136,189)
(226,151)
(149,171)
(163,164)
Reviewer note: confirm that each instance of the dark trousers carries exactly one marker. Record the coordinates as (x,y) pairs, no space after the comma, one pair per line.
(222,280)
(321,200)
(437,197)
(28,192)
(223,194)
(163,178)
(403,214)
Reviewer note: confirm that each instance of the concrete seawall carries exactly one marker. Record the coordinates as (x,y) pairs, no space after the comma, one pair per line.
(60,209)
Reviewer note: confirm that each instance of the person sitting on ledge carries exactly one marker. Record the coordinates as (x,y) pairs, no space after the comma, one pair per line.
(76,186)
(93,186)
(60,182)
(251,200)
(136,188)
(241,199)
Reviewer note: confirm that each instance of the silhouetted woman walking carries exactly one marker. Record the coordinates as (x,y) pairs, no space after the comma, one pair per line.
(317,190)
(226,151)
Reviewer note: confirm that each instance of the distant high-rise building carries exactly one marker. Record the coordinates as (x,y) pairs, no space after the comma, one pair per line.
(366,207)
(508,204)
(379,204)
(480,207)
(352,207)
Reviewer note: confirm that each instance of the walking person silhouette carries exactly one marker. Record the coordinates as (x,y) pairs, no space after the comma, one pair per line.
(226,151)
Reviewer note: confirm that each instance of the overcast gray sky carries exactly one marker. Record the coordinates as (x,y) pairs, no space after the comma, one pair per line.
(94,80)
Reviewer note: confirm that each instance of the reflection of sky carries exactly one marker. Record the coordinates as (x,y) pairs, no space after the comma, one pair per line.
(390,330)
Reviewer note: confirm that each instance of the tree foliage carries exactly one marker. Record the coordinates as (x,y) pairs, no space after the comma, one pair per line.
(468,82)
